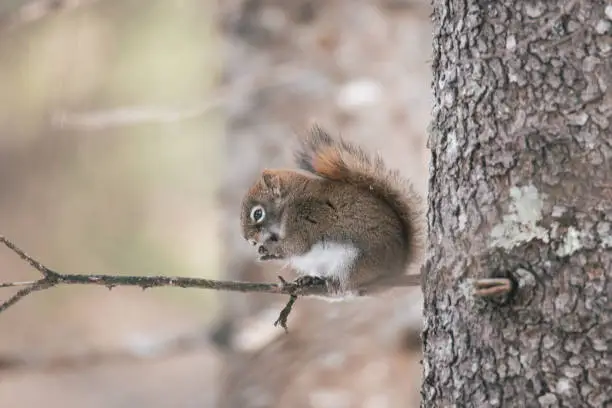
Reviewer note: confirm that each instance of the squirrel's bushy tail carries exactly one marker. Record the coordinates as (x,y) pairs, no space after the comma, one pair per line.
(339,160)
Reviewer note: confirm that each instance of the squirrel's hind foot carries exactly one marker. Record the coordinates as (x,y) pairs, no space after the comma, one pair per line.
(309,281)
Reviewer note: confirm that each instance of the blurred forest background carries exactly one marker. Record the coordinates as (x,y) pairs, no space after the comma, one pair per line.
(129,130)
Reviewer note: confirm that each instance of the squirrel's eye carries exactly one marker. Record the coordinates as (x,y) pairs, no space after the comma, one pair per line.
(258,214)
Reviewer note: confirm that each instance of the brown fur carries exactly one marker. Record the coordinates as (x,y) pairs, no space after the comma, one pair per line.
(342,195)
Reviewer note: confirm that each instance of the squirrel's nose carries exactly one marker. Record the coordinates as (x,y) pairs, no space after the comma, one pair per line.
(273,237)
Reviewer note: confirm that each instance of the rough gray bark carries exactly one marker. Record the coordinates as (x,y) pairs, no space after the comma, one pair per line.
(520,184)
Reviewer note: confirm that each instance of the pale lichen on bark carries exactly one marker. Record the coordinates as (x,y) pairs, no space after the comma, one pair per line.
(520,224)
(571,242)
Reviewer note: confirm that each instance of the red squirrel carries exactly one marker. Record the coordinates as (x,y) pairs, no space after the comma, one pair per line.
(342,217)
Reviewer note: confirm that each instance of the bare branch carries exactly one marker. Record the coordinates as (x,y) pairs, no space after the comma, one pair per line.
(52,278)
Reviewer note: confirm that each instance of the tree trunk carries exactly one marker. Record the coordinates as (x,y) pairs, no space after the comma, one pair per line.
(520,186)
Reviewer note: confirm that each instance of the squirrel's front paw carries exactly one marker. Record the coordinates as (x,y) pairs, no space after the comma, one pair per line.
(266,255)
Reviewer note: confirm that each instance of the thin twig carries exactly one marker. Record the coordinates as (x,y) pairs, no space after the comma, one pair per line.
(46,272)
(52,278)
(13,284)
(16,297)
(284,314)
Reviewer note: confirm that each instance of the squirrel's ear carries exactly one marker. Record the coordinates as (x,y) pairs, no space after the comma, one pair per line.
(271,181)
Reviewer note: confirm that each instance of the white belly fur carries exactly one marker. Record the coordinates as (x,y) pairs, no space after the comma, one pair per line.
(326,260)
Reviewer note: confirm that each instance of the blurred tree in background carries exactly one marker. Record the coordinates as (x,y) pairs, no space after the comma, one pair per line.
(359,68)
